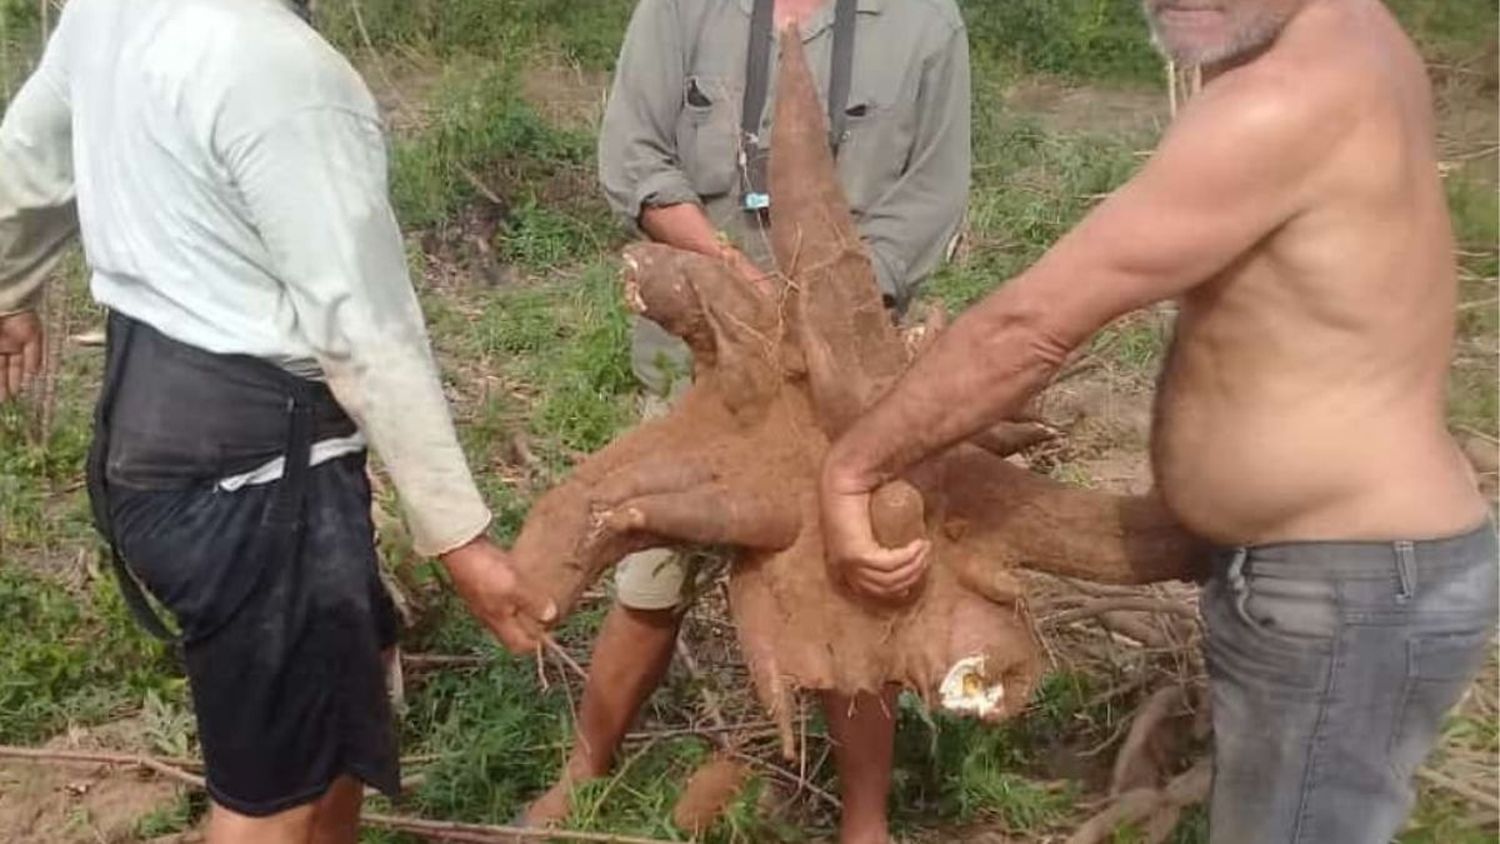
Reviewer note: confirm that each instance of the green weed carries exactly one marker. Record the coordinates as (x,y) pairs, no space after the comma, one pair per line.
(73,658)
(1448,28)
(540,238)
(962,770)
(168,820)
(1441,819)
(1079,39)
(481,125)
(588,33)
(1030,188)
(1193,828)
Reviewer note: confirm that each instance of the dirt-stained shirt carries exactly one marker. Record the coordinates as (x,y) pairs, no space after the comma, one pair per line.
(671,130)
(227,170)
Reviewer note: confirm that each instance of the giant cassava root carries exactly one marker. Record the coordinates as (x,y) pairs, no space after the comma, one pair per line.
(735,464)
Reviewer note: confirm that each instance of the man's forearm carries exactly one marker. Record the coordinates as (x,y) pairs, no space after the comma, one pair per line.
(683,225)
(394,395)
(38,217)
(983,369)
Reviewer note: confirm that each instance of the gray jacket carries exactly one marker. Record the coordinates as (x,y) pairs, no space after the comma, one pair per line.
(671,128)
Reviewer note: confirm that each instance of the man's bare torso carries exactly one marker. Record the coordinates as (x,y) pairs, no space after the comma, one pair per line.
(1304,395)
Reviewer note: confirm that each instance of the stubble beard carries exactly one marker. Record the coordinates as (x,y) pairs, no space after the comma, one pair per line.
(1248,36)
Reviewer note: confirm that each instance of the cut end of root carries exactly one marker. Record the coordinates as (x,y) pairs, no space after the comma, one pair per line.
(967,690)
(631,279)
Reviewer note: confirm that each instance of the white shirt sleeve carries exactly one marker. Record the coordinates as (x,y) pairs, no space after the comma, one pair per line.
(315,185)
(37,213)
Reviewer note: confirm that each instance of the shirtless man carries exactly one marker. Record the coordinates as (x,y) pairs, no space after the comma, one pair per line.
(1295,212)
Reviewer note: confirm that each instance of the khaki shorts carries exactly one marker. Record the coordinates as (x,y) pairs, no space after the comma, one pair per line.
(651,580)
(657,578)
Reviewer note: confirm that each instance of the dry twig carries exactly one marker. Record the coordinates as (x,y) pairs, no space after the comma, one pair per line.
(1122,604)
(1462,789)
(441,830)
(1145,804)
(484,834)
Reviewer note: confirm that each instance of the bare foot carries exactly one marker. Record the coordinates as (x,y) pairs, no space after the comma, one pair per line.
(552,808)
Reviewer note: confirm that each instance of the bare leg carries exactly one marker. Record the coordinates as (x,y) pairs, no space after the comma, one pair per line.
(336,814)
(630,658)
(864,736)
(293,826)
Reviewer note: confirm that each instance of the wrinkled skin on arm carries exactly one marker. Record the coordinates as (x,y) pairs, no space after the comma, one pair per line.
(736,464)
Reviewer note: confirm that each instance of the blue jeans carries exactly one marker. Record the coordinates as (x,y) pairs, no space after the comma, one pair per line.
(1332,666)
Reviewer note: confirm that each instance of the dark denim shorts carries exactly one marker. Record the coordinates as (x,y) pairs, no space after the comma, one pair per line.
(284,649)
(1332,666)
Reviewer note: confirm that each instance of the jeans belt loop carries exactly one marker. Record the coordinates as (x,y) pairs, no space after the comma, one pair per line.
(1406,570)
(1238,586)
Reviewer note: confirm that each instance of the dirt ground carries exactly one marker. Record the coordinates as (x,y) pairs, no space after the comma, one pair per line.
(84,803)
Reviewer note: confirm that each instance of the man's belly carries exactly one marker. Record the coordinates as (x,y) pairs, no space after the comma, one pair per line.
(1250,476)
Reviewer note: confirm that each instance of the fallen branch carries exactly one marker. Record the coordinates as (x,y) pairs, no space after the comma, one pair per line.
(171,768)
(484,834)
(477,833)
(710,700)
(1146,804)
(1103,590)
(1461,789)
(1474,433)
(1117,691)
(1139,762)
(1486,152)
(66,757)
(1122,604)
(747,728)
(1124,625)
(566,658)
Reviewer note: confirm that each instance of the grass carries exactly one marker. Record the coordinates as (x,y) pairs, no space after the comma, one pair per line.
(72,658)
(1030,187)
(178,816)
(1472,394)
(540,351)
(967,772)
(1075,39)
(587,33)
(482,126)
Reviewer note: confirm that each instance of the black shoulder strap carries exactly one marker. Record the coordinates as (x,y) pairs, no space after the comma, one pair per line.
(120,329)
(757,67)
(842,71)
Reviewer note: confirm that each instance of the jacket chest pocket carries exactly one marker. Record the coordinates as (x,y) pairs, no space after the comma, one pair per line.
(874,146)
(707,136)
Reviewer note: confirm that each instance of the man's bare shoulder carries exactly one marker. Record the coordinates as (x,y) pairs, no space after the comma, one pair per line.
(1274,107)
(1328,66)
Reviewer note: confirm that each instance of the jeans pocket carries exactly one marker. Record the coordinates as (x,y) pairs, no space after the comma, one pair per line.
(1305,611)
(1266,642)
(1439,669)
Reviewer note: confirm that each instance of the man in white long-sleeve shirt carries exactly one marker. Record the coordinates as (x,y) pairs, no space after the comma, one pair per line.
(227,171)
